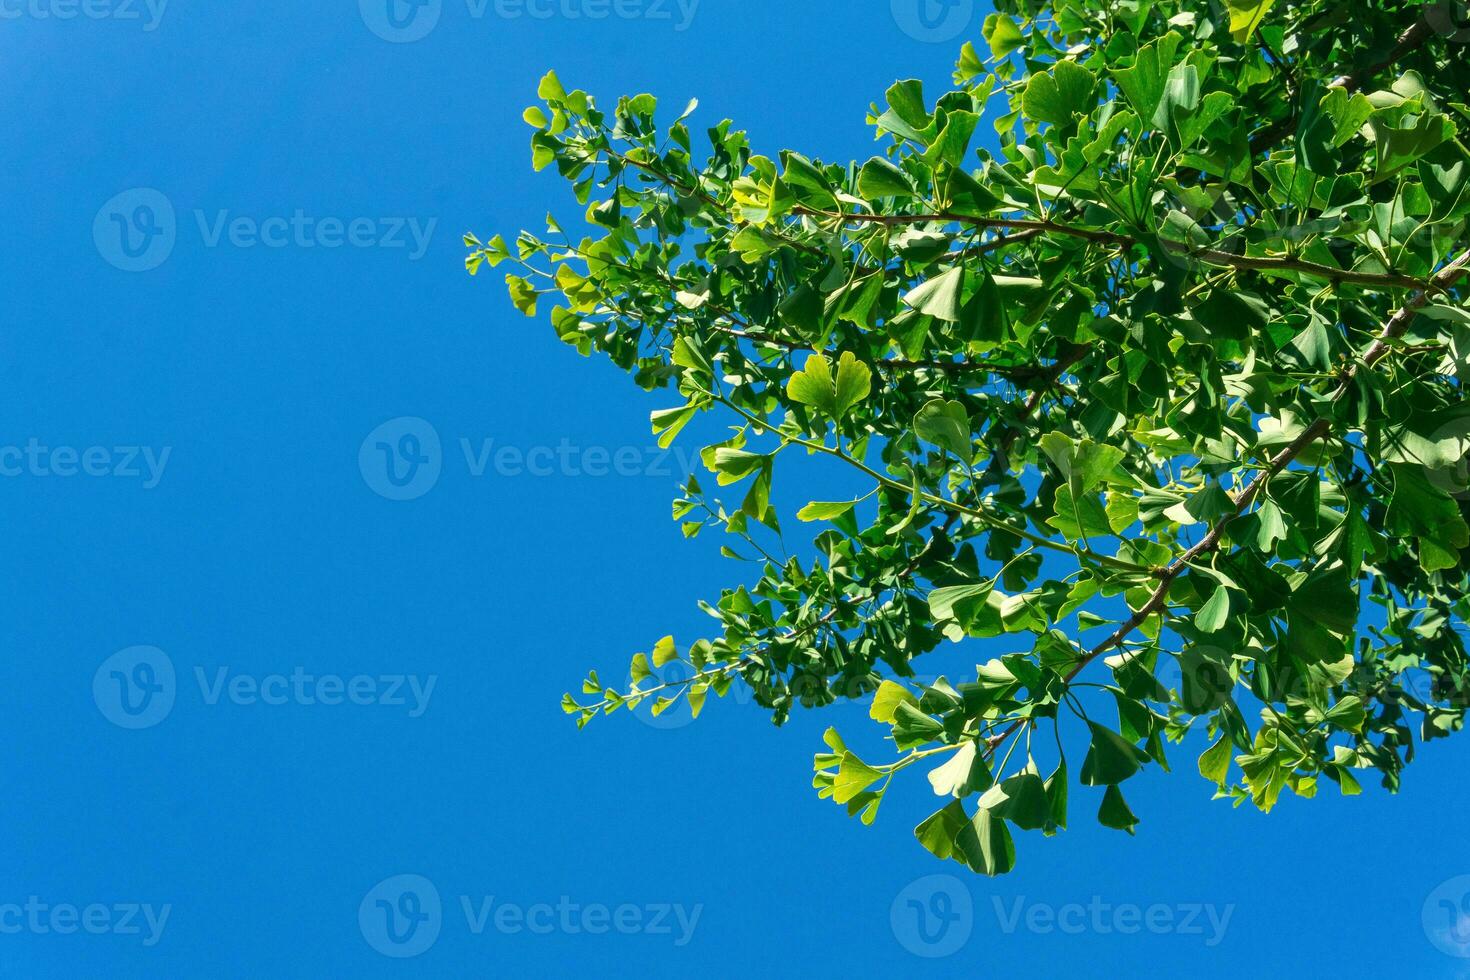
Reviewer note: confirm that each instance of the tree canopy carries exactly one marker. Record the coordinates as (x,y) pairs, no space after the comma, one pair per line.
(1147,339)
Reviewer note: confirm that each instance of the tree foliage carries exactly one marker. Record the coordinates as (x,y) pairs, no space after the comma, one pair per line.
(1162,390)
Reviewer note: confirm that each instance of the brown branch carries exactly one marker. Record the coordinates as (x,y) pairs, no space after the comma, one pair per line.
(1064,362)
(999,242)
(1208,256)
(1408,42)
(1411,40)
(1067,360)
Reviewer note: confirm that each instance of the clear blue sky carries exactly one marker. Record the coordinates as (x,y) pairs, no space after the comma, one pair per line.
(256,547)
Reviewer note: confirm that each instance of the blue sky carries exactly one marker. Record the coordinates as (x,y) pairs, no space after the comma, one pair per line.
(363,705)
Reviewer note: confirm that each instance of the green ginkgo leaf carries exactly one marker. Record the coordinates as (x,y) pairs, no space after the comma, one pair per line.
(939,296)
(854,384)
(1112,758)
(1058,95)
(815,386)
(1215,613)
(879,178)
(946,424)
(825,510)
(1246,16)
(985,844)
(1002,34)
(1114,812)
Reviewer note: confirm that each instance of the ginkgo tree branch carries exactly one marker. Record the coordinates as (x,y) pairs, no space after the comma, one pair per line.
(1027,229)
(1030,228)
(750,660)
(991,520)
(1209,256)
(1319,429)
(743,330)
